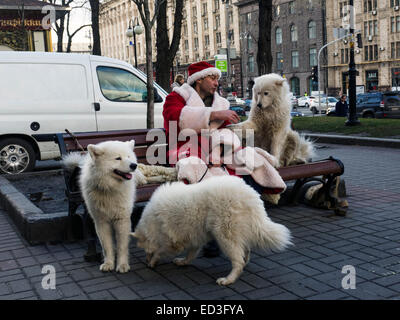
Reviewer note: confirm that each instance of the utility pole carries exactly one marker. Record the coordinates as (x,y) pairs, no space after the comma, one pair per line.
(352,118)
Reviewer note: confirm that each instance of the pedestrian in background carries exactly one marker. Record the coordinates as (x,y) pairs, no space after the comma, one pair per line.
(178,81)
(341,107)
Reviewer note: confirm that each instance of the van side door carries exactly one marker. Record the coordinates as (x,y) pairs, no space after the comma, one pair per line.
(121,96)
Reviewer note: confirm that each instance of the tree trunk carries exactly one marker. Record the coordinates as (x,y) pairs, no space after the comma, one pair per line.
(60,34)
(264,56)
(95,8)
(166,52)
(150,85)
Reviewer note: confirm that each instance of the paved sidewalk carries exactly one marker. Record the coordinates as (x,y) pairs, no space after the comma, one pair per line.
(368,238)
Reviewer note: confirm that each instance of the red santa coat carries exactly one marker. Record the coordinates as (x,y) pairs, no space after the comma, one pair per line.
(185,116)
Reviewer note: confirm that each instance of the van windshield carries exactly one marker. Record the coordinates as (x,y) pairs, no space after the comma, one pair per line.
(121,85)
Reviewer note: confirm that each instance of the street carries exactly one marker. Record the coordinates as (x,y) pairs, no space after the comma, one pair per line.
(325,246)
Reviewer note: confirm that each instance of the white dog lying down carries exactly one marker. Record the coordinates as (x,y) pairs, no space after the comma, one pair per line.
(183,217)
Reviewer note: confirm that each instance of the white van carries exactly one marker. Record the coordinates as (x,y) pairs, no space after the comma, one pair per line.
(44,93)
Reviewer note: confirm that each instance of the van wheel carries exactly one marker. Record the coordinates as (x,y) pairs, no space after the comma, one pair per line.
(16,156)
(307,105)
(314,110)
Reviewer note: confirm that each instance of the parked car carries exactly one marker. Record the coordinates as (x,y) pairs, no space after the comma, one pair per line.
(239,110)
(305,101)
(325,103)
(294,101)
(296,114)
(235,101)
(331,111)
(45,93)
(378,105)
(247,102)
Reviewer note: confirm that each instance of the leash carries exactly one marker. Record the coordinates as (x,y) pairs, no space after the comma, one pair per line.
(75,140)
(222,166)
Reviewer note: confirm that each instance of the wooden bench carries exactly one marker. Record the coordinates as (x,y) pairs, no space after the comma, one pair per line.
(80,225)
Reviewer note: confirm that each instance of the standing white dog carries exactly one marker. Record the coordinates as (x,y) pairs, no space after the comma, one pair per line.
(109,190)
(270,119)
(185,217)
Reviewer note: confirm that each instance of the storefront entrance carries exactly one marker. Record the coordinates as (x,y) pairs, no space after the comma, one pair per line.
(371,77)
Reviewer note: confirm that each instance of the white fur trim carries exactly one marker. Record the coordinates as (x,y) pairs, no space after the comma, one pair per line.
(203,73)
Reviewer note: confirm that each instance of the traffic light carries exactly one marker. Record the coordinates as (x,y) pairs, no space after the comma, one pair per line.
(314,74)
(359,41)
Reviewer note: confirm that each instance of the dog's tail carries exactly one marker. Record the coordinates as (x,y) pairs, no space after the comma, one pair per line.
(272,236)
(306,148)
(72,160)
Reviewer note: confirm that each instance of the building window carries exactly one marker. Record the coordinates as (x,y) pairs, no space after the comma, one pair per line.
(196,43)
(194,12)
(395,50)
(312,30)
(205,23)
(292,7)
(279,61)
(371,77)
(371,28)
(370,5)
(295,59)
(344,57)
(277,11)
(249,42)
(207,40)
(204,8)
(371,53)
(310,4)
(293,33)
(186,44)
(216,5)
(250,63)
(248,18)
(394,24)
(394,3)
(278,35)
(396,78)
(195,30)
(343,8)
(313,57)
(217,21)
(218,37)
(295,86)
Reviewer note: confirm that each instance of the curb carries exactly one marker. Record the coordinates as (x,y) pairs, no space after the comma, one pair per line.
(33,224)
(353,140)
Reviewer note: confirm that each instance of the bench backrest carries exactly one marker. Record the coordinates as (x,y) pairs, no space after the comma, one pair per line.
(68,144)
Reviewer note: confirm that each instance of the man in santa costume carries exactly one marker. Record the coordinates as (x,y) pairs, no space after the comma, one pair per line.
(195,120)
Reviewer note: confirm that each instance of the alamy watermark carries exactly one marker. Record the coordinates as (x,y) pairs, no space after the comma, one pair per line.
(349,281)
(49,280)
(50,18)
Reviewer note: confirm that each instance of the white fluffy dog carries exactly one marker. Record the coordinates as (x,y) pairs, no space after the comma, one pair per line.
(183,217)
(108,188)
(270,119)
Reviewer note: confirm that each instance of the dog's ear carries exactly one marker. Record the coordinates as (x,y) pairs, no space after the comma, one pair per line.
(94,151)
(131,143)
(280,82)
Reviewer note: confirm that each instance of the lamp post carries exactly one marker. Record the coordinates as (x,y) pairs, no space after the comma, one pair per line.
(132,32)
(352,118)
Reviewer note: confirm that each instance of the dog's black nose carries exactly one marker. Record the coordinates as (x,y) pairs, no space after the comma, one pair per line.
(133,166)
(259,105)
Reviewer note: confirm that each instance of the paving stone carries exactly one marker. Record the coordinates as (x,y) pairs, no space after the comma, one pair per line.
(20,285)
(6,255)
(178,295)
(331,295)
(123,293)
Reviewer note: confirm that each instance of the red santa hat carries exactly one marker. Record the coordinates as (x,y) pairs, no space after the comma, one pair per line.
(200,70)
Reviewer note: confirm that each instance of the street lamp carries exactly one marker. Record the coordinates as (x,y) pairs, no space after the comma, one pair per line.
(228,40)
(177,56)
(132,32)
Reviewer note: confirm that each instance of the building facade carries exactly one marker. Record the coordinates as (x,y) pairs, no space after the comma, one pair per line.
(23,26)
(204,34)
(298,32)
(378,61)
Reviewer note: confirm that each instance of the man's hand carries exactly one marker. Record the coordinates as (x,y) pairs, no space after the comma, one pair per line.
(226,115)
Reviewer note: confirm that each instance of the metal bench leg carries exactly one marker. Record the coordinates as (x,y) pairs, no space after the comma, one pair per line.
(90,235)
